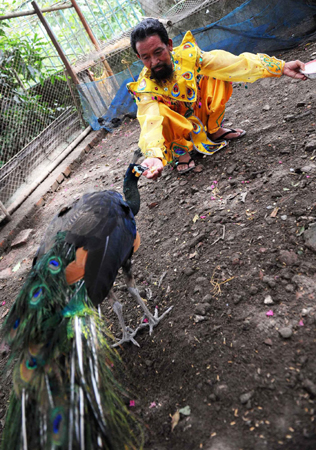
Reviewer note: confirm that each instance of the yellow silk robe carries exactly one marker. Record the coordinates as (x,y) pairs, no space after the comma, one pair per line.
(175,114)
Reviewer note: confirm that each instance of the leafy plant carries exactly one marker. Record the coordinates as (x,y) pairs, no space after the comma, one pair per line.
(23,112)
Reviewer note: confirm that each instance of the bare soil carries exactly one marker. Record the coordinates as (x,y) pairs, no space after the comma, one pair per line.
(227,246)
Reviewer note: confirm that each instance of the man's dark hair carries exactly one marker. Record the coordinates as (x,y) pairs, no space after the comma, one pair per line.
(148,27)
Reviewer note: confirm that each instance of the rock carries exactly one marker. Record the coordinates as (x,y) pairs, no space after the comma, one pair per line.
(4,349)
(207,299)
(286,332)
(288,257)
(148,362)
(244,398)
(310,237)
(197,288)
(194,189)
(309,386)
(310,145)
(306,311)
(269,281)
(309,169)
(231,169)
(235,259)
(307,285)
(216,219)
(253,290)
(237,299)
(189,271)
(221,390)
(201,280)
(268,300)
(286,274)
(22,238)
(289,288)
(266,108)
(289,117)
(199,168)
(6,273)
(268,342)
(202,308)
(198,318)
(196,240)
(283,217)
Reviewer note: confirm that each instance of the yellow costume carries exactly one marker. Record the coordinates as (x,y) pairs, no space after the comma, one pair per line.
(174,115)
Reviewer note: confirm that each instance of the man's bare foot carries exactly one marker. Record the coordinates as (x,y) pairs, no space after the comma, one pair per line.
(185,163)
(226,134)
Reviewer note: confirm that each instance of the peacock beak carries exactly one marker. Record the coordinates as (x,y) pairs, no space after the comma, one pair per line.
(143,168)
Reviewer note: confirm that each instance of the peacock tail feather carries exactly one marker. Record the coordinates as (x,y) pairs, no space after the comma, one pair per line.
(65,392)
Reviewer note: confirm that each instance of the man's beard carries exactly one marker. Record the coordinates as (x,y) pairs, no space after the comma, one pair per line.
(165,72)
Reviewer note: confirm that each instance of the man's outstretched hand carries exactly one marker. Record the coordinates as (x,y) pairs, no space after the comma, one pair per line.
(292,69)
(155,167)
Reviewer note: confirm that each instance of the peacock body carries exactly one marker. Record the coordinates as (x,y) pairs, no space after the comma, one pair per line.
(65,394)
(65,391)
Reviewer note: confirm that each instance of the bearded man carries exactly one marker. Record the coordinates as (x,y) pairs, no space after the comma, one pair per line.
(181,94)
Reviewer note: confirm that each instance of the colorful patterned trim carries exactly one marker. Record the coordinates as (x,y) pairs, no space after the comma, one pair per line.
(178,150)
(272,64)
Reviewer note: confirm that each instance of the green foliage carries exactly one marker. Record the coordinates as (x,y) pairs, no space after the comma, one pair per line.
(21,67)
(28,60)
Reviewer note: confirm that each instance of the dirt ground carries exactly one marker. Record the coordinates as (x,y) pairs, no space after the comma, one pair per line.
(232,247)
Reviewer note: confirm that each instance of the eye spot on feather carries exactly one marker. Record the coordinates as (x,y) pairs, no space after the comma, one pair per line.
(31,363)
(56,424)
(54,265)
(37,295)
(14,329)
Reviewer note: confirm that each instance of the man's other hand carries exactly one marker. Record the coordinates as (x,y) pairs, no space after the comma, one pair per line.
(292,69)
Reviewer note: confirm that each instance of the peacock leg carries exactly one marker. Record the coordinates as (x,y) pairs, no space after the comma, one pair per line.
(153,319)
(127,333)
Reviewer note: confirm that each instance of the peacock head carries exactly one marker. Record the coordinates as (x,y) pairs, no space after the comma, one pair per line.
(138,170)
(134,171)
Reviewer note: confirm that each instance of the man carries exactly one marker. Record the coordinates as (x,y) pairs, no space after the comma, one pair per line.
(181,94)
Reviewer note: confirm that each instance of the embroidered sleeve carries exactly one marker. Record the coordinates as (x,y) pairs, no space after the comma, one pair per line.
(272,64)
(247,67)
(151,140)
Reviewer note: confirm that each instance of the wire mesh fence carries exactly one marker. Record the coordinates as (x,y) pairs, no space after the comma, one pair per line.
(36,122)
(39,119)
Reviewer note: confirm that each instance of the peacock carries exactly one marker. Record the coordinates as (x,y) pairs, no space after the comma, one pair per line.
(65,391)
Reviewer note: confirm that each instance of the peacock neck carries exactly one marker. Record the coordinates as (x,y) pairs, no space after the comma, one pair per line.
(130,190)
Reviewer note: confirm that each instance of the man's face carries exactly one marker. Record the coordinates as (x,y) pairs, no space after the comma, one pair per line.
(156,56)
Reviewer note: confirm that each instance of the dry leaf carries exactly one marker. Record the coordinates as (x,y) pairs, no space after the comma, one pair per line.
(5,313)
(152,205)
(175,420)
(195,218)
(274,212)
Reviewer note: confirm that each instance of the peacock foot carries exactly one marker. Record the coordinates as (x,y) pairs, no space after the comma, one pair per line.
(127,336)
(127,332)
(150,320)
